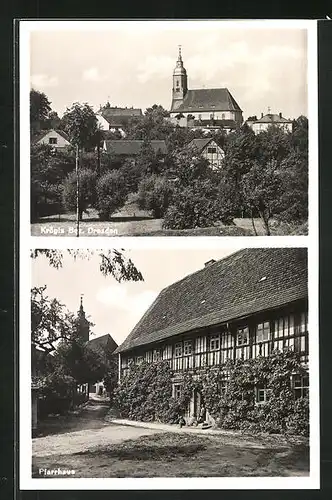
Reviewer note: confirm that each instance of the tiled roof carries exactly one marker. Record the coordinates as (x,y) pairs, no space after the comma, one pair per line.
(102,342)
(200,100)
(45,132)
(132,148)
(244,283)
(199,144)
(270,118)
(110,113)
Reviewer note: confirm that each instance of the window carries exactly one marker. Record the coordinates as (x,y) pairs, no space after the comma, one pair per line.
(139,360)
(187,347)
(212,150)
(301,386)
(242,337)
(262,394)
(263,332)
(214,342)
(222,386)
(223,116)
(178,350)
(156,354)
(53,140)
(177,391)
(199,117)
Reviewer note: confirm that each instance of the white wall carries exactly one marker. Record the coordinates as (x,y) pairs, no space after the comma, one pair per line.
(61,142)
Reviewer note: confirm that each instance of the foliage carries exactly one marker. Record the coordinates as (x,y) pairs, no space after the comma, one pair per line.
(80,123)
(152,125)
(113,262)
(145,392)
(87,190)
(155,194)
(197,205)
(228,391)
(50,321)
(48,170)
(40,109)
(111,194)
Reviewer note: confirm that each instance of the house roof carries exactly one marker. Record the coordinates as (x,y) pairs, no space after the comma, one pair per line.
(244,283)
(102,342)
(128,112)
(132,148)
(271,118)
(200,100)
(200,144)
(43,133)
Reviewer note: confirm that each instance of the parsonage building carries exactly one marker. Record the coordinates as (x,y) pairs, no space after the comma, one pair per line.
(246,305)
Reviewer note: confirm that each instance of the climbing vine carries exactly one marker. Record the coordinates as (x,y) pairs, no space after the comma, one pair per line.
(229,393)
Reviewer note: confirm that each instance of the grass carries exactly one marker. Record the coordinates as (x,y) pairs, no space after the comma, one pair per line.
(188,455)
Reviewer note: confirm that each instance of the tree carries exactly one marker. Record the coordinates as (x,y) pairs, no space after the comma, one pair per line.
(111,194)
(50,321)
(155,194)
(152,125)
(81,125)
(40,108)
(48,170)
(262,190)
(112,263)
(87,190)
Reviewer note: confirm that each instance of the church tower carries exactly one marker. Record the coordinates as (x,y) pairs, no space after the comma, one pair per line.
(83,325)
(180,82)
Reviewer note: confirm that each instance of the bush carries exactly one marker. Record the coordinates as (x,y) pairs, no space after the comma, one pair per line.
(87,190)
(111,194)
(198,205)
(155,194)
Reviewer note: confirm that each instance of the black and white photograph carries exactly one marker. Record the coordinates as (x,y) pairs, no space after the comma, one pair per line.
(197,369)
(165,128)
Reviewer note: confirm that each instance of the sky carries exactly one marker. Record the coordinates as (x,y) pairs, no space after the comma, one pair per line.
(116,308)
(131,64)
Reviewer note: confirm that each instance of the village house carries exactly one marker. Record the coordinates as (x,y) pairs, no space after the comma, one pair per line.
(55,138)
(116,119)
(204,109)
(243,306)
(270,120)
(106,345)
(209,149)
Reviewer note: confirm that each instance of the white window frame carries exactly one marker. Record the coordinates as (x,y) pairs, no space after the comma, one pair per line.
(177,390)
(240,334)
(258,341)
(214,339)
(265,392)
(178,350)
(302,387)
(187,347)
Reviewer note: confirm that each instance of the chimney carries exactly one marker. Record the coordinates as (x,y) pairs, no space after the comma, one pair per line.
(280,115)
(261,115)
(209,262)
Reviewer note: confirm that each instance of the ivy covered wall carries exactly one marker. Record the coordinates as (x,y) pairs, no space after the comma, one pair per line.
(256,395)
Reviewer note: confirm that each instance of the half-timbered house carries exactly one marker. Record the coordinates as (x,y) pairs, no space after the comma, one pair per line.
(243,306)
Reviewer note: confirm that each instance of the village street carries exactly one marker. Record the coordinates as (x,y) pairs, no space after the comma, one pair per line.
(93,447)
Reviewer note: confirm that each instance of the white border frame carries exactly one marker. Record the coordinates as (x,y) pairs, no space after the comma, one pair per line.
(26,482)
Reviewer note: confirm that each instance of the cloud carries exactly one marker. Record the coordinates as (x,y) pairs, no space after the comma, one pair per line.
(155,67)
(43,81)
(117,297)
(93,75)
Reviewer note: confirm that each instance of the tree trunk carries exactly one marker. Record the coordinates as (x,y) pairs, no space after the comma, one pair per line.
(265,219)
(253,223)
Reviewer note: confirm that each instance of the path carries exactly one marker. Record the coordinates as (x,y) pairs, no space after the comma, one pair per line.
(86,431)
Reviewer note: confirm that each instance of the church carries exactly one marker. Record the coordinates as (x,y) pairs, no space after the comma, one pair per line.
(202,108)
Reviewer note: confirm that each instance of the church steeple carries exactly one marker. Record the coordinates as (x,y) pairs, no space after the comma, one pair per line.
(180,81)
(83,325)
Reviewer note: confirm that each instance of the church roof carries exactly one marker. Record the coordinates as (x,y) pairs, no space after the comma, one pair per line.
(246,282)
(200,100)
(102,342)
(132,147)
